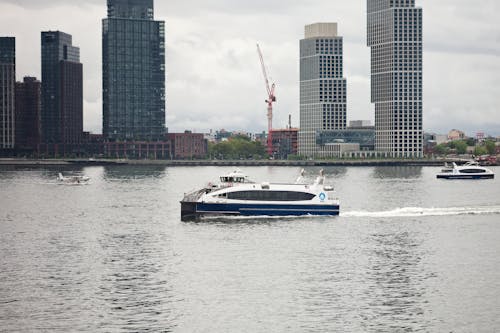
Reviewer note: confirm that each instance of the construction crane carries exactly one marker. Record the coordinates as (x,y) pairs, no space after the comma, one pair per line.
(271,98)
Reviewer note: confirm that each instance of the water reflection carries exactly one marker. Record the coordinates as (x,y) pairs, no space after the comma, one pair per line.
(127,172)
(395,283)
(47,172)
(135,282)
(406,172)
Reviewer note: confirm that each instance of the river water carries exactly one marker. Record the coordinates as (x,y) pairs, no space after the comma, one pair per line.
(409,253)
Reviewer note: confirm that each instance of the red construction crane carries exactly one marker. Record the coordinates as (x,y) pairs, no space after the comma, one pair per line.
(271,98)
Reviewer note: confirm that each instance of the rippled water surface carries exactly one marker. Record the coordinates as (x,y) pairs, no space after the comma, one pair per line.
(409,253)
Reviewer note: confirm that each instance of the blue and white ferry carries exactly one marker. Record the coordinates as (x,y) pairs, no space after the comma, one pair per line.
(238,196)
(470,170)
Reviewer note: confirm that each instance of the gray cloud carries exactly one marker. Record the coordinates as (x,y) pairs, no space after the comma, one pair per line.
(213,72)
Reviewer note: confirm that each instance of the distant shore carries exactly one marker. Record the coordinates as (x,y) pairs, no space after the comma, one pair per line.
(173,163)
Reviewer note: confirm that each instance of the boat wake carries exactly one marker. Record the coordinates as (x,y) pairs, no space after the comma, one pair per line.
(421,211)
(394,213)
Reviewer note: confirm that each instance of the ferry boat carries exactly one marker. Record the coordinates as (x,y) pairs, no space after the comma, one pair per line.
(236,195)
(470,170)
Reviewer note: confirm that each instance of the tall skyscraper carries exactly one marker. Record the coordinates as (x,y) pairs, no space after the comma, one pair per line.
(28,113)
(62,89)
(133,72)
(395,38)
(323,97)
(7,89)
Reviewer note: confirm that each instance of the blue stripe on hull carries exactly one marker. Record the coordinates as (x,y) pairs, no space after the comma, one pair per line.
(266,209)
(466,176)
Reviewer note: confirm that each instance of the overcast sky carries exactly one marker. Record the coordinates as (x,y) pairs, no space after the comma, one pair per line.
(214,78)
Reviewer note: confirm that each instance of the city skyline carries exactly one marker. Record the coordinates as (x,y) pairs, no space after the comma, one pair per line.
(217,68)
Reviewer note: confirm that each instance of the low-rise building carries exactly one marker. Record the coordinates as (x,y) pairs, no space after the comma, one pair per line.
(285,142)
(363,136)
(188,145)
(337,150)
(154,150)
(455,134)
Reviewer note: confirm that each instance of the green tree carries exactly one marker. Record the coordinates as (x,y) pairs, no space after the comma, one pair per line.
(470,141)
(480,150)
(490,147)
(459,145)
(236,148)
(442,149)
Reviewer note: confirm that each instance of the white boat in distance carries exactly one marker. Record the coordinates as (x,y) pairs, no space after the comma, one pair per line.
(73,179)
(236,195)
(470,170)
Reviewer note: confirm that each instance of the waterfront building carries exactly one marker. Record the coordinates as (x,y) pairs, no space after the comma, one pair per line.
(395,38)
(339,150)
(7,88)
(323,96)
(223,135)
(62,89)
(28,114)
(153,150)
(210,137)
(260,137)
(363,136)
(133,47)
(455,134)
(188,145)
(285,142)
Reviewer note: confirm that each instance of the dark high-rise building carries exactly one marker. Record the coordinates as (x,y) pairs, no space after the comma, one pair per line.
(395,38)
(133,72)
(7,88)
(28,113)
(62,89)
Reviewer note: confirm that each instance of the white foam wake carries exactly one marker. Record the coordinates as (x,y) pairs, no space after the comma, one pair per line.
(421,211)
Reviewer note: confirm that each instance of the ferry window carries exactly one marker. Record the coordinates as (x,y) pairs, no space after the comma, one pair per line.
(472,171)
(270,196)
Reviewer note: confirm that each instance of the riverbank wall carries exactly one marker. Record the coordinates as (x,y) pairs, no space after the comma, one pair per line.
(227,163)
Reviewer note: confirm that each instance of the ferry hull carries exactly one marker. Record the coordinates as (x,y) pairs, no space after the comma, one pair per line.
(193,210)
(464,176)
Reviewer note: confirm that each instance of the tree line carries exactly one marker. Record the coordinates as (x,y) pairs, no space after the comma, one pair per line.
(238,147)
(487,147)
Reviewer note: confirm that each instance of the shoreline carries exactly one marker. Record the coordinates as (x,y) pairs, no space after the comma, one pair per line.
(225,163)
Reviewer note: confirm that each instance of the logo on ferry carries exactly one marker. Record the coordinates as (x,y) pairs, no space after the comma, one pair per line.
(322,196)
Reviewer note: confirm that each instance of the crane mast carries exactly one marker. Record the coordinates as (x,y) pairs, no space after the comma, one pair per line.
(271,98)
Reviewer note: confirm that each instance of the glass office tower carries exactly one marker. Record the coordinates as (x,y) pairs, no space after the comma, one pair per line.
(395,38)
(133,72)
(323,95)
(62,89)
(7,89)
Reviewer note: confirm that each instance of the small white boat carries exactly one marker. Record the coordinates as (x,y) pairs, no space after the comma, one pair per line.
(470,170)
(236,195)
(72,179)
